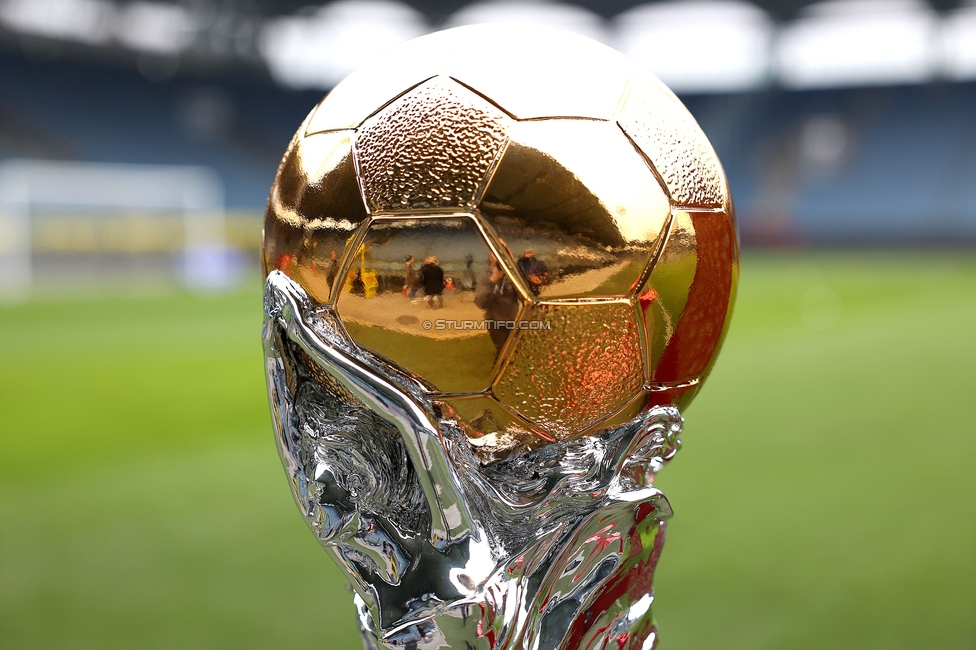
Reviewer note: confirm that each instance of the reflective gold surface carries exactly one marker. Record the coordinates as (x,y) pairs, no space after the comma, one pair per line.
(491,428)
(314,207)
(669,136)
(566,272)
(699,330)
(430,149)
(594,224)
(579,365)
(663,296)
(623,415)
(410,294)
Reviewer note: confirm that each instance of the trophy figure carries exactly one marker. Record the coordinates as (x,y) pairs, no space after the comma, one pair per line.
(500,262)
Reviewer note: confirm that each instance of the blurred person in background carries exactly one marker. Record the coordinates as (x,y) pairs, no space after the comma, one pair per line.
(432,279)
(496,294)
(534,271)
(412,282)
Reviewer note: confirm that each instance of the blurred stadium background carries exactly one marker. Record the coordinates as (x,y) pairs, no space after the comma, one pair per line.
(824,497)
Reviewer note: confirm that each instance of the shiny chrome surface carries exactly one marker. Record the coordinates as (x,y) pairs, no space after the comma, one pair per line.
(550,548)
(499,258)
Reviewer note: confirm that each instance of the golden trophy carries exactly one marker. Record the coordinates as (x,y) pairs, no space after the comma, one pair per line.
(500,261)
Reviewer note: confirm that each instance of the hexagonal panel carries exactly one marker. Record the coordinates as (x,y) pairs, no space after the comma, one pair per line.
(446,315)
(379,82)
(663,296)
(670,137)
(572,365)
(582,199)
(702,325)
(535,72)
(623,415)
(314,207)
(430,149)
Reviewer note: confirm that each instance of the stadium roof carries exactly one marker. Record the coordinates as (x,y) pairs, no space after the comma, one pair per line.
(437,10)
(739,44)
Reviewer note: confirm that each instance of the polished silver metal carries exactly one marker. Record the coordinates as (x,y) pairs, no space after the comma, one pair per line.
(550,549)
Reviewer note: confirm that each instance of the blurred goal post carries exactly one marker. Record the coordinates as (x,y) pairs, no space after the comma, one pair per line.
(196,193)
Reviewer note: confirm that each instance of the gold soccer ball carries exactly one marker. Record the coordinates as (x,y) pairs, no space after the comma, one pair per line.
(538,231)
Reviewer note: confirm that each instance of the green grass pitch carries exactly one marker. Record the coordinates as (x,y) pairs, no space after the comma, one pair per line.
(825,496)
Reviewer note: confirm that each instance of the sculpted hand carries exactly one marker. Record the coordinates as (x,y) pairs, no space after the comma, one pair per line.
(554,548)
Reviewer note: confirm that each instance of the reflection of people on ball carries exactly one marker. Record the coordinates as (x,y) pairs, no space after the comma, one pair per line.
(355,283)
(496,294)
(432,280)
(534,270)
(412,283)
(361,280)
(333,269)
(468,278)
(496,496)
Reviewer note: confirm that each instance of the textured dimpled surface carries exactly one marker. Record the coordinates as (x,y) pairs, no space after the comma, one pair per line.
(669,136)
(430,149)
(544,276)
(380,81)
(582,363)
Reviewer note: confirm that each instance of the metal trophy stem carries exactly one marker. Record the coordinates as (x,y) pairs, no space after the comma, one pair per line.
(552,549)
(500,260)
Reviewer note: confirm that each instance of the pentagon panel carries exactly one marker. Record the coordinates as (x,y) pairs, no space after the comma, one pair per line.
(697,335)
(430,149)
(670,137)
(572,366)
(375,84)
(493,431)
(420,292)
(576,196)
(536,72)
(314,208)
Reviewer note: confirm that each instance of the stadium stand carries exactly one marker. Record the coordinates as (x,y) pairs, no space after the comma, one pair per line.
(863,165)
(239,127)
